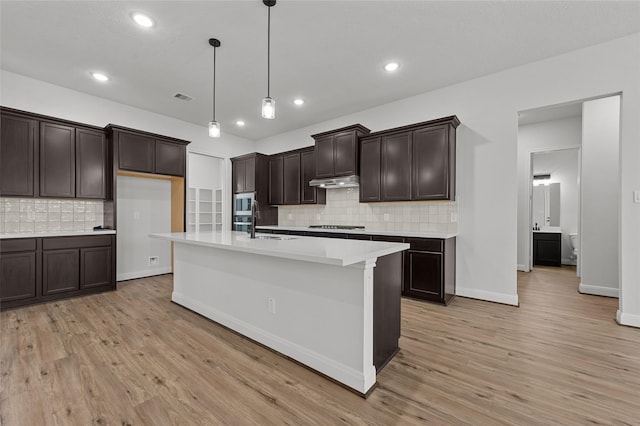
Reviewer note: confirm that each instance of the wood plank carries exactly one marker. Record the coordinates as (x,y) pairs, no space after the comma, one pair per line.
(134,357)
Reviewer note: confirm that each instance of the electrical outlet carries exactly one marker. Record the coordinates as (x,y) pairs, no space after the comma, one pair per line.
(454,217)
(272,305)
(385,217)
(154,260)
(636,196)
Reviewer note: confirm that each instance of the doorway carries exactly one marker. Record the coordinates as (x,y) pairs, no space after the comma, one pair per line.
(588,130)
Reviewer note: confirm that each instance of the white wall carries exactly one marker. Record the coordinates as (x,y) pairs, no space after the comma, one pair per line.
(563,167)
(487,156)
(144,207)
(538,137)
(600,197)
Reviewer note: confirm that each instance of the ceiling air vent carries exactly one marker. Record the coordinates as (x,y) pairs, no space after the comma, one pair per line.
(183,97)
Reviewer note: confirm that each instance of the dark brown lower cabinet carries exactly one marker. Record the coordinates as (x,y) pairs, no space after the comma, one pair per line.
(19,272)
(36,270)
(547,249)
(387,289)
(429,269)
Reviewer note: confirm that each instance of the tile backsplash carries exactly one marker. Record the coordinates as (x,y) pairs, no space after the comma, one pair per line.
(344,208)
(23,215)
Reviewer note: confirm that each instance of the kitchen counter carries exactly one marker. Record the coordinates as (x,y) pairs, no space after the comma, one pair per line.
(311,299)
(416,234)
(46,234)
(318,250)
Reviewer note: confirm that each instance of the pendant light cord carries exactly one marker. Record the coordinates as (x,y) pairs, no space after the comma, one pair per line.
(214,83)
(268,52)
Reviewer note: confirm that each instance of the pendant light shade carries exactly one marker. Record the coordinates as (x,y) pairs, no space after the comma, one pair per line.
(268,108)
(214,129)
(268,104)
(214,126)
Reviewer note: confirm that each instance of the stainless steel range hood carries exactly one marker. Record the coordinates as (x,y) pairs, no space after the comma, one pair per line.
(352,181)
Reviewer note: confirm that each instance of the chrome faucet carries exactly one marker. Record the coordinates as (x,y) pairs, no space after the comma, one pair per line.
(255,214)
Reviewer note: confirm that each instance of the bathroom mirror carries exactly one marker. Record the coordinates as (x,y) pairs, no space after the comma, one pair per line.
(545,209)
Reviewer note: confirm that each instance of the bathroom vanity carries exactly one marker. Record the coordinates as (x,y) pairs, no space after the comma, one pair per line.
(547,248)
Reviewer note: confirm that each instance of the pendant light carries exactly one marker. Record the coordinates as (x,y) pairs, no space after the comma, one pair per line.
(214,126)
(268,104)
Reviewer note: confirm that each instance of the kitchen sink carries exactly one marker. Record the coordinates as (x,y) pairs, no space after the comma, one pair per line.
(274,237)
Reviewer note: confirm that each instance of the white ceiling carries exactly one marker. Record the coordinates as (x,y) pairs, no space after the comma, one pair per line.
(330,53)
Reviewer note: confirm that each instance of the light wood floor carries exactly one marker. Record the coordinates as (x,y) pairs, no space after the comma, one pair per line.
(132,357)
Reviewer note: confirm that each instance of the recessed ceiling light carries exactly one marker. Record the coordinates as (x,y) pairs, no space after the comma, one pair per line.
(391,66)
(99,76)
(143,20)
(240,123)
(298,101)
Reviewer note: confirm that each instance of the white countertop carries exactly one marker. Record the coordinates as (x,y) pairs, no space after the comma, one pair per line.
(416,234)
(7,236)
(549,230)
(328,251)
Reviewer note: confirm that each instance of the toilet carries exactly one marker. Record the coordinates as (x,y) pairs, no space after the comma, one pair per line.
(573,242)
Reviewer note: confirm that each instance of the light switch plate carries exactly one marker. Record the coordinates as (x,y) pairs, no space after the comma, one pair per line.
(636,196)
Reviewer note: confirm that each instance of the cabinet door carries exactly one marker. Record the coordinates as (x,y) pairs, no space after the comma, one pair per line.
(91,164)
(370,170)
(237,170)
(95,267)
(249,174)
(57,160)
(170,158)
(136,152)
(17,156)
(291,167)
(345,154)
(60,271)
(547,249)
(310,194)
(431,164)
(396,167)
(276,181)
(18,276)
(423,275)
(324,157)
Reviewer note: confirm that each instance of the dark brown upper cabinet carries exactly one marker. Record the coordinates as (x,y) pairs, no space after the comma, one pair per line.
(276,180)
(284,179)
(244,172)
(337,151)
(409,163)
(370,169)
(289,176)
(57,160)
(291,172)
(434,162)
(91,164)
(43,156)
(145,152)
(170,158)
(395,153)
(310,194)
(18,155)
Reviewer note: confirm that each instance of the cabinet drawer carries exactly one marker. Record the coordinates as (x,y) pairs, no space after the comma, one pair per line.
(425,244)
(546,236)
(18,244)
(76,242)
(388,238)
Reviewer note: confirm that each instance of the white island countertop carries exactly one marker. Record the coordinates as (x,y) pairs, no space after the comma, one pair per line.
(329,251)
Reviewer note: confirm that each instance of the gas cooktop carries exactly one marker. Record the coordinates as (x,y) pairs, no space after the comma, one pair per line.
(337,227)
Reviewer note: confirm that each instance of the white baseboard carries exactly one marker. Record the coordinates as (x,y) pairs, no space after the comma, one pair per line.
(507,299)
(568,262)
(598,290)
(522,268)
(142,274)
(627,319)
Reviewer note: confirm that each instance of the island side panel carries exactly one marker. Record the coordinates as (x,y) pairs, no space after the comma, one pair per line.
(387,292)
(323,313)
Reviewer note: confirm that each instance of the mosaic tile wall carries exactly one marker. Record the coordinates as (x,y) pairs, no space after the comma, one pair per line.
(20,215)
(344,208)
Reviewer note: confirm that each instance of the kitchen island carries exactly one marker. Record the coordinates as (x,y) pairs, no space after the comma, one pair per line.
(311,299)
